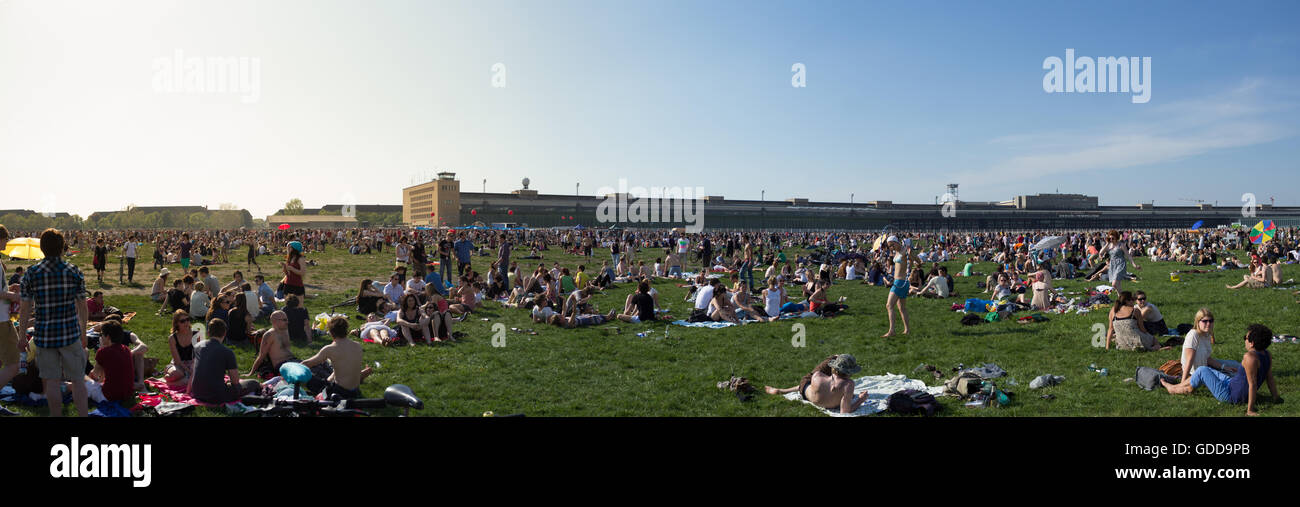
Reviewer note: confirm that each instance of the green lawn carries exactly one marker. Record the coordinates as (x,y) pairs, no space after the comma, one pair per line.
(591,372)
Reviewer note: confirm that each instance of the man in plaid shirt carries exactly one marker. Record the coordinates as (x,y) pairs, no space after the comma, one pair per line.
(54,296)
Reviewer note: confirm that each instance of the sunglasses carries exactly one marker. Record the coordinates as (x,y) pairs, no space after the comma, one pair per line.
(1208,321)
(1141,299)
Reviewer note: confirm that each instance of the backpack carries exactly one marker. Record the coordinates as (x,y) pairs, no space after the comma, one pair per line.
(912,401)
(964,384)
(699,315)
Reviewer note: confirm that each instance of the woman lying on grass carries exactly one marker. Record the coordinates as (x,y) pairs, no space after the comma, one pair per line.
(829,385)
(1256,367)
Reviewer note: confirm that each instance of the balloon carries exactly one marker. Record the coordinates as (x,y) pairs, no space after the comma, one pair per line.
(510,212)
(473,212)
(432,213)
(284,227)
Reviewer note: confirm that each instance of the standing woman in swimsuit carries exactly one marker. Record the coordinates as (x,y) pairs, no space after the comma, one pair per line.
(898,292)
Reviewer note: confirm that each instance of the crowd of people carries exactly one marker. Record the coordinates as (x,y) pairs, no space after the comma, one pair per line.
(423,299)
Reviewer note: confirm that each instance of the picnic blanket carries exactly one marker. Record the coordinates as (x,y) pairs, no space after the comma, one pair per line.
(179,394)
(878,389)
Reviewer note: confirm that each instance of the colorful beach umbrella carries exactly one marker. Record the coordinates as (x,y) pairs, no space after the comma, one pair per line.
(1263,232)
(1198,224)
(24,248)
(284,227)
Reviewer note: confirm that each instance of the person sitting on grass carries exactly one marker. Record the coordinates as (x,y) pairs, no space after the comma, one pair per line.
(1258,278)
(937,286)
(412,324)
(114,363)
(345,358)
(640,305)
(1255,368)
(1127,328)
(216,374)
(181,345)
(438,312)
(1152,319)
(274,351)
(176,299)
(829,386)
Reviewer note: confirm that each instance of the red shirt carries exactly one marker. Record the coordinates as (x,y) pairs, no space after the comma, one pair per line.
(119,372)
(93,307)
(293,278)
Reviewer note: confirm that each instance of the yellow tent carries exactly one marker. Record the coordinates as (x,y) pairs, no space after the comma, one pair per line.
(24,248)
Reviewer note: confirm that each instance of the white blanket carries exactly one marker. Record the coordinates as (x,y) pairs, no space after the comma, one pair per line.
(878,389)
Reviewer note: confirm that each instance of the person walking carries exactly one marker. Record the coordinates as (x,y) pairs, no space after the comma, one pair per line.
(129,250)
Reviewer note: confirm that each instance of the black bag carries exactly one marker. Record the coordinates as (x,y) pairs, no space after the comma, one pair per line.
(912,401)
(699,315)
(1183,329)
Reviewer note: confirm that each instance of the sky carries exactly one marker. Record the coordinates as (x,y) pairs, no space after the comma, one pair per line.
(351,101)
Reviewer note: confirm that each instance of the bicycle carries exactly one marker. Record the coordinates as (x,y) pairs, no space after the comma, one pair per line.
(396,395)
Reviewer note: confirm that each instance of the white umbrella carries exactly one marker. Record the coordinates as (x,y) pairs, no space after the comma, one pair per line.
(1048,242)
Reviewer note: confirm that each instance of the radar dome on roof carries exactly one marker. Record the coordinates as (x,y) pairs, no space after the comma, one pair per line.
(525,183)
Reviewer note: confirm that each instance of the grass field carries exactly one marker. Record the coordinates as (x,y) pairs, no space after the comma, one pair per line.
(590,372)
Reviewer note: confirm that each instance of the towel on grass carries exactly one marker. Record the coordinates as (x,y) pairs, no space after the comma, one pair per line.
(878,389)
(178,394)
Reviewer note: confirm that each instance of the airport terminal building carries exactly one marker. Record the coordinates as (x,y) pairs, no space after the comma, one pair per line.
(440,202)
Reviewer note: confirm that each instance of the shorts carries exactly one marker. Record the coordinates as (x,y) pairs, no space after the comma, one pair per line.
(185,263)
(295,289)
(8,344)
(635,319)
(64,363)
(335,391)
(900,288)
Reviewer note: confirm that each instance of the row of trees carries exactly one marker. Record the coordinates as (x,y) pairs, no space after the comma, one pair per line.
(38,222)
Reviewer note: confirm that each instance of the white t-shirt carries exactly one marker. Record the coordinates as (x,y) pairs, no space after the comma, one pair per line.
(1201,344)
(415,284)
(1151,313)
(130,249)
(683,245)
(545,312)
(703,297)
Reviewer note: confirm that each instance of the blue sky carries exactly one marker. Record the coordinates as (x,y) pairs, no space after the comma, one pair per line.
(355,99)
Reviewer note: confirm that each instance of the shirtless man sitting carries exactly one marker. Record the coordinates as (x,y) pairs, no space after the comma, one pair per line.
(344,356)
(829,385)
(274,351)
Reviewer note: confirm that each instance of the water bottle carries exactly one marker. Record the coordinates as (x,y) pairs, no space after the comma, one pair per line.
(1104,372)
(22,363)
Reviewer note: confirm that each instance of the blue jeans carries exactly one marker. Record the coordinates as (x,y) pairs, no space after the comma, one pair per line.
(747,273)
(504,269)
(615,257)
(444,268)
(1214,380)
(675,271)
